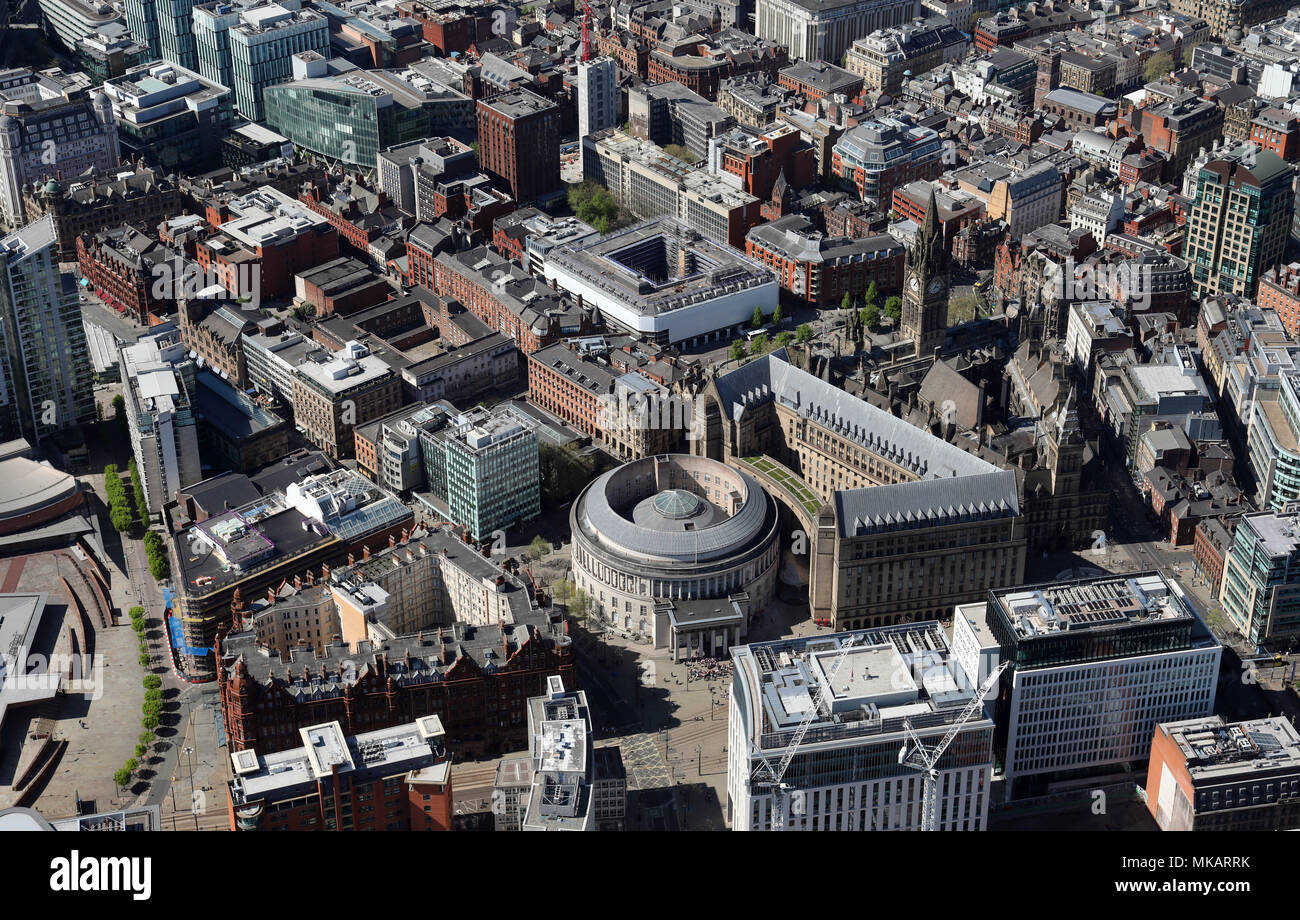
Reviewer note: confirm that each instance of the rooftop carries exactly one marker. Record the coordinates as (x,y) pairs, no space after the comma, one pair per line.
(1092,604)
(1218,750)
(659,265)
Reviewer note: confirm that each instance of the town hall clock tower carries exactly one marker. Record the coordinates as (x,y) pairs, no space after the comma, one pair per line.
(925,285)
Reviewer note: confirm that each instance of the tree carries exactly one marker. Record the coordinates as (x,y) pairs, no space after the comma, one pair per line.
(580,605)
(804,334)
(783,339)
(152,682)
(150,722)
(148,738)
(737,350)
(140,751)
(757,320)
(1158,65)
(847,302)
(119,413)
(563,591)
(760,344)
(122,778)
(130,766)
(894,308)
(869,298)
(120,518)
(869,315)
(540,546)
(777,316)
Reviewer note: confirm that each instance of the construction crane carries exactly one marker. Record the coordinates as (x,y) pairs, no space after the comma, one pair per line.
(920,757)
(765,774)
(586,31)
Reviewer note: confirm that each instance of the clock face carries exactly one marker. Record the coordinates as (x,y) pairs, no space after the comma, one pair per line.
(936,286)
(916,283)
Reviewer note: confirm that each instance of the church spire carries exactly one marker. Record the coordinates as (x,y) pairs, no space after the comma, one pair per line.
(929,240)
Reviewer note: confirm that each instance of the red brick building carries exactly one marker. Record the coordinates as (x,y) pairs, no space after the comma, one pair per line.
(266,701)
(1279,289)
(1212,541)
(519,143)
(1279,131)
(508,300)
(119,264)
(758,160)
(253,239)
(394,779)
(816,270)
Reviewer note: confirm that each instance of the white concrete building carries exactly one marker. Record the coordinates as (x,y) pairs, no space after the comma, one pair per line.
(597,95)
(846,773)
(822,30)
(158,383)
(663,280)
(1096,664)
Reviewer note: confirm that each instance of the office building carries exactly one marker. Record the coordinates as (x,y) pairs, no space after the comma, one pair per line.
(486,470)
(170,117)
(332,394)
(389,779)
(109,52)
(565,783)
(860,689)
(822,30)
(262,46)
(1273,442)
(158,387)
(71,20)
(1260,591)
(663,280)
(879,156)
(142,19)
(649,183)
(519,143)
(350,117)
(1230,256)
(50,124)
(1211,775)
(232,534)
(1095,665)
(882,58)
(46,385)
(669,113)
(597,95)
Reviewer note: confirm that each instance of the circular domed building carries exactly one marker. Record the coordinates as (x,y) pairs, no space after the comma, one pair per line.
(679,548)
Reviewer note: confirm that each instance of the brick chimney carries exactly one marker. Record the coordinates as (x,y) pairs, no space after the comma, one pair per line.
(365,551)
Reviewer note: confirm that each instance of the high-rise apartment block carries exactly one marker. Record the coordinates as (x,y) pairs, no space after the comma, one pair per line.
(519,143)
(597,95)
(159,390)
(46,384)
